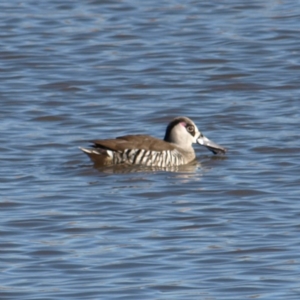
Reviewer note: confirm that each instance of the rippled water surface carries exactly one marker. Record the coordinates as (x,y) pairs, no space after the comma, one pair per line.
(225,228)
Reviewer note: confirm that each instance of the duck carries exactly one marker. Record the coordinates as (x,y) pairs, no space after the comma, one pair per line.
(175,149)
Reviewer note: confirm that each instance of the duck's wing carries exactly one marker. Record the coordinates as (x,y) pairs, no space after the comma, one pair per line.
(144,142)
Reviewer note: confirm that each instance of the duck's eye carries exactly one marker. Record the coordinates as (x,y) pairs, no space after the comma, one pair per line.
(190,128)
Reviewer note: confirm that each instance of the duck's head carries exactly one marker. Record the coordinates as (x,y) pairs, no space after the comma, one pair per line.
(183,132)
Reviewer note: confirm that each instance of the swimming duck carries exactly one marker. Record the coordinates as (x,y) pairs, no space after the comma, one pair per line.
(174,150)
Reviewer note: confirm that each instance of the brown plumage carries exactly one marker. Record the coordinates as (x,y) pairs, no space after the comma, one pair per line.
(176,148)
(139,141)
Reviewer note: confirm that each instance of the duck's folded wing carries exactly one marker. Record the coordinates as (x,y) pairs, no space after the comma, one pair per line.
(122,143)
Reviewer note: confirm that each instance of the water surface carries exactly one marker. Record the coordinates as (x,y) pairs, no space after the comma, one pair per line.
(228,228)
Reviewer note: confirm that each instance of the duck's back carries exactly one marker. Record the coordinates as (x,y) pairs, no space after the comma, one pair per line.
(139,142)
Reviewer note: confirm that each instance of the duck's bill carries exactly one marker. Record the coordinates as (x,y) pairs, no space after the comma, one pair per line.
(215,148)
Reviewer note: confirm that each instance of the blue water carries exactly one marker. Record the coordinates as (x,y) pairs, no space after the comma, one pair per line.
(226,228)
